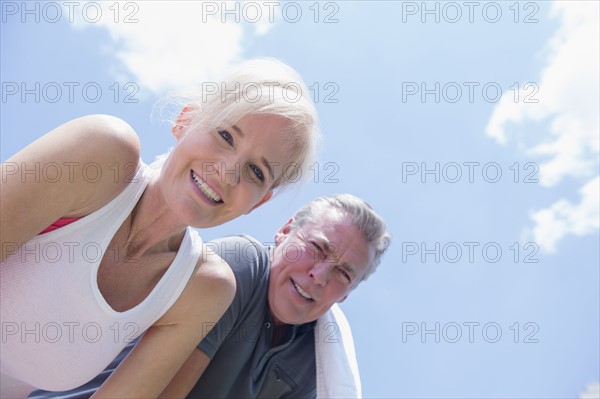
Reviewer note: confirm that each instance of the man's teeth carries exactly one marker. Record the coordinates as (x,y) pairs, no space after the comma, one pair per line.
(205,189)
(302,292)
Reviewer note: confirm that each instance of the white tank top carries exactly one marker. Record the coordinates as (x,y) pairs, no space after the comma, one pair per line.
(58,332)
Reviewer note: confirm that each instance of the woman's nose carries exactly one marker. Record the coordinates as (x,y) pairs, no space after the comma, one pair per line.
(230,172)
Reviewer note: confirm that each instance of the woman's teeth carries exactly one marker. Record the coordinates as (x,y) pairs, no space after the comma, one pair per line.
(205,189)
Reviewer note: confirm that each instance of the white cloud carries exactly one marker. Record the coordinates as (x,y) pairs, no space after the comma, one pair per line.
(592,391)
(176,44)
(568,103)
(563,218)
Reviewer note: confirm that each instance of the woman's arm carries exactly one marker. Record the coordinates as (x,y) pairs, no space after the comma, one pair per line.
(166,346)
(69,171)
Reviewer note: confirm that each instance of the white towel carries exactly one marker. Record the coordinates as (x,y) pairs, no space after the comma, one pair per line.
(337,369)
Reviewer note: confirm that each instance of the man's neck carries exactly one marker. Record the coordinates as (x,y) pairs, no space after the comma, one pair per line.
(280,334)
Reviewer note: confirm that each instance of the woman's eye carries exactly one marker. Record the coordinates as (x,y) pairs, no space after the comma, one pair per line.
(226,136)
(257,172)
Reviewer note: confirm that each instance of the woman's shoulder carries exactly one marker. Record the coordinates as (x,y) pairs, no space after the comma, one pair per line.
(209,291)
(106,136)
(70,171)
(99,149)
(92,139)
(212,269)
(213,275)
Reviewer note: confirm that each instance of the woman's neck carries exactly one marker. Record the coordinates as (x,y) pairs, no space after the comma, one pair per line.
(153,227)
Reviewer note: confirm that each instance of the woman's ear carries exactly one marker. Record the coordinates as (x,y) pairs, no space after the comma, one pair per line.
(183,120)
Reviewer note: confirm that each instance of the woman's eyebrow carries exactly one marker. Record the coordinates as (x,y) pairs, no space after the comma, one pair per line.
(269,167)
(238,130)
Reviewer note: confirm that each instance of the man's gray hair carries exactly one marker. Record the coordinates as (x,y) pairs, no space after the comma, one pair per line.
(360,213)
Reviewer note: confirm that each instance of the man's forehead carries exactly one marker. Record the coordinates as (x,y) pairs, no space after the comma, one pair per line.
(326,224)
(335,231)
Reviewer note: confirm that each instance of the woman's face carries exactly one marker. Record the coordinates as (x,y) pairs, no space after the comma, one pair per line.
(211,177)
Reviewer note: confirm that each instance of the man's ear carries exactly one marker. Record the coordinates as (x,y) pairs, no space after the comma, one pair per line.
(182,120)
(283,232)
(264,199)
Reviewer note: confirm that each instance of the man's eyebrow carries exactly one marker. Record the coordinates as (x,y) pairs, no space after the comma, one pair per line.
(328,247)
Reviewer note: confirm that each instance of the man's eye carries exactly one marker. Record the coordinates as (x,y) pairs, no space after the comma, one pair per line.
(257,172)
(345,275)
(226,136)
(319,249)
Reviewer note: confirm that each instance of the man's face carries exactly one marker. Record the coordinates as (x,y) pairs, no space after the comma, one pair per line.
(316,266)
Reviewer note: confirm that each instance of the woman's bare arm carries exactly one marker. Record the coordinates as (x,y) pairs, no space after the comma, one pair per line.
(165,347)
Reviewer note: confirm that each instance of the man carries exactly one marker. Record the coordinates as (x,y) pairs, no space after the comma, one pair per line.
(264,345)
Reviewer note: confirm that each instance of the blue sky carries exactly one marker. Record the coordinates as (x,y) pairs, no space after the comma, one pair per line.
(370,65)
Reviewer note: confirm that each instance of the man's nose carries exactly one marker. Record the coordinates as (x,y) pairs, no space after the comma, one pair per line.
(320,273)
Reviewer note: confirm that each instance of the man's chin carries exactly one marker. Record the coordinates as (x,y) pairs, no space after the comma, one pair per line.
(295,319)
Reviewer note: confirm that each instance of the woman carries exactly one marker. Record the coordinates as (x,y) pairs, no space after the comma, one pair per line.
(90,263)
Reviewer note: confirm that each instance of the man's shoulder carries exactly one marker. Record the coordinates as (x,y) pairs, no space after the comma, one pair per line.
(249,261)
(248,258)
(244,240)
(243,253)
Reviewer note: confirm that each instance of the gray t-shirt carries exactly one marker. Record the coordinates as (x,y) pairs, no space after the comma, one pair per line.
(244,364)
